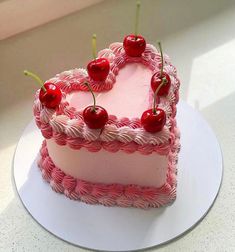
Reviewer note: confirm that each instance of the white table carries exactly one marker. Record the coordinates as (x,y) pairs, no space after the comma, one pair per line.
(199,37)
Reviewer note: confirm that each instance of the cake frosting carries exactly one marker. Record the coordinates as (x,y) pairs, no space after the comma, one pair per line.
(121,164)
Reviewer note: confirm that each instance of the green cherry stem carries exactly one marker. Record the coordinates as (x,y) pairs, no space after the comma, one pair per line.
(155,94)
(137,14)
(34,76)
(93,95)
(94,50)
(160,48)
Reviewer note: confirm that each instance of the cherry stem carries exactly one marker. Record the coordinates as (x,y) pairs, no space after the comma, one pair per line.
(93,95)
(160,48)
(34,76)
(137,14)
(155,94)
(94,50)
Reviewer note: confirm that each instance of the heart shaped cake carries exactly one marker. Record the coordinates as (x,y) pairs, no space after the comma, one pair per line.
(129,160)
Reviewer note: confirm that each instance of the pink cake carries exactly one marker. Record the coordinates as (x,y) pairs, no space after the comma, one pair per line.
(120,164)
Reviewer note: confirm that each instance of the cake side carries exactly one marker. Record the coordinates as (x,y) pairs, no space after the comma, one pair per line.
(111,194)
(108,167)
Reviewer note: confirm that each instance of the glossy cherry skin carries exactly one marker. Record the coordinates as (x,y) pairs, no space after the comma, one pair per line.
(50,98)
(153,122)
(134,45)
(98,69)
(95,119)
(156,80)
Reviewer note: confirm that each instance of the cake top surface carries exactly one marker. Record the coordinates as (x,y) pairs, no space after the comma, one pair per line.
(128,97)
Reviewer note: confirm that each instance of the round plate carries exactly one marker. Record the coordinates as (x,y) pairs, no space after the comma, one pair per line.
(121,229)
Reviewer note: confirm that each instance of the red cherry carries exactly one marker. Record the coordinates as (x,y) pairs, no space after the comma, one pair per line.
(95,119)
(156,81)
(134,45)
(51,97)
(98,69)
(153,122)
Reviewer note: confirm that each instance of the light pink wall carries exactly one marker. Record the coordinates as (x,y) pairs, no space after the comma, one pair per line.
(20,15)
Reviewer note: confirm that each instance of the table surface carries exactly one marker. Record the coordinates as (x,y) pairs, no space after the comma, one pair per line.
(198,35)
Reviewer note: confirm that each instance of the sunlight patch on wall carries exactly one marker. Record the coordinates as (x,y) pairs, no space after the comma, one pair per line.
(212,76)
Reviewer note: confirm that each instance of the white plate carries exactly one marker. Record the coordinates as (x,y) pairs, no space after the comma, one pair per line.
(97,227)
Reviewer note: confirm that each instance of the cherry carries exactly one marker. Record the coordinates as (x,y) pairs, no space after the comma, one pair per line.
(50,95)
(94,116)
(160,76)
(134,44)
(50,98)
(156,80)
(153,120)
(98,69)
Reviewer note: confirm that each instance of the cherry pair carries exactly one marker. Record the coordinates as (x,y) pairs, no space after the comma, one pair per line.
(134,45)
(50,96)
(153,120)
(98,69)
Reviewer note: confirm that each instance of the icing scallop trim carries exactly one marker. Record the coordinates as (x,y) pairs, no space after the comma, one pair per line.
(72,138)
(67,122)
(110,194)
(114,146)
